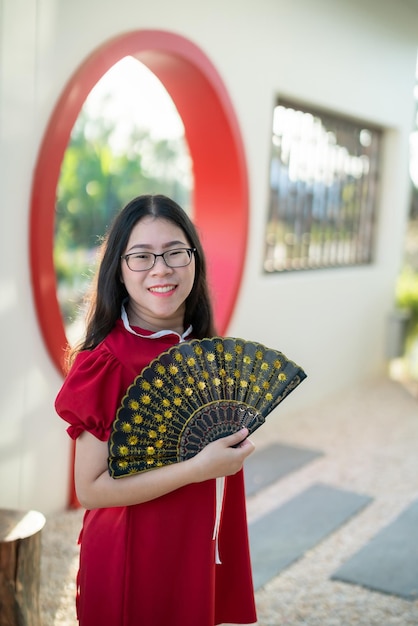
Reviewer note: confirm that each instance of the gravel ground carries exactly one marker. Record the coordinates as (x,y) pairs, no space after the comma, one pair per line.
(369,437)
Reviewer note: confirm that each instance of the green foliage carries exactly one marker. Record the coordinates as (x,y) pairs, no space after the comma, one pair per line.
(96,180)
(407,294)
(407,299)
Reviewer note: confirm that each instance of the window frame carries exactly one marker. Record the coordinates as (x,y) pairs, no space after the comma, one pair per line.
(304,231)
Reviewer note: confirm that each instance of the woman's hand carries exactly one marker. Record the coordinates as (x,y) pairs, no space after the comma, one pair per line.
(221,458)
(96,489)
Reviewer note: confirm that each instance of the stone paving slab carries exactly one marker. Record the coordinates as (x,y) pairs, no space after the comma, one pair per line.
(389,562)
(289,531)
(274,461)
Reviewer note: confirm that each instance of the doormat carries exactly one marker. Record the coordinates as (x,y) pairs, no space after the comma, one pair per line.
(284,535)
(268,464)
(388,563)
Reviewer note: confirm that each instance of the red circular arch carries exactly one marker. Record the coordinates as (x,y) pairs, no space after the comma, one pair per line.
(220,176)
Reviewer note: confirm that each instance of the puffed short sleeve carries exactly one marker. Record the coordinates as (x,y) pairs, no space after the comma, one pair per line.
(91,393)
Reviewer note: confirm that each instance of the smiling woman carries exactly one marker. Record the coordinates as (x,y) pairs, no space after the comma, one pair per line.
(134,316)
(220,200)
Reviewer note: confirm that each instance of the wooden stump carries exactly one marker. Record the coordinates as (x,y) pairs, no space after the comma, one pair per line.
(20,567)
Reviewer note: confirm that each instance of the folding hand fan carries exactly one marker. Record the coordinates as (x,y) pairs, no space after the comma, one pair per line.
(196,392)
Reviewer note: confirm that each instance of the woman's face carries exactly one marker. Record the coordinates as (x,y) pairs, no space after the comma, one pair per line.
(157,296)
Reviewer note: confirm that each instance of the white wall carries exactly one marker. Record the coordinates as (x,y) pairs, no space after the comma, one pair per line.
(355,57)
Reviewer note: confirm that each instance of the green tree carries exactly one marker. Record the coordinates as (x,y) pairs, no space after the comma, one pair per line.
(96,180)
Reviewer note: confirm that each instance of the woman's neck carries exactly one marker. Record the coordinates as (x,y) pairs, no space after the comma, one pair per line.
(136,320)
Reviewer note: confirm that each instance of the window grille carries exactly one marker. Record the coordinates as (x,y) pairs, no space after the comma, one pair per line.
(323,190)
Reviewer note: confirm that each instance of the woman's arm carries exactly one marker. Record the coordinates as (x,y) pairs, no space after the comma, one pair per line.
(97,489)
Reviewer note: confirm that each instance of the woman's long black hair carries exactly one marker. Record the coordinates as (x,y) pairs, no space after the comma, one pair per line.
(108,292)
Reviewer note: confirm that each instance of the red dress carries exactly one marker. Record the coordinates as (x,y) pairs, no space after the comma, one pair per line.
(153,564)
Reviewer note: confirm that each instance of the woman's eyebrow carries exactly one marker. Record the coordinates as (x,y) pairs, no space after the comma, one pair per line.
(147,246)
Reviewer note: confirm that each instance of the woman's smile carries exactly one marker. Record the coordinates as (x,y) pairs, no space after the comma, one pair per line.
(162,289)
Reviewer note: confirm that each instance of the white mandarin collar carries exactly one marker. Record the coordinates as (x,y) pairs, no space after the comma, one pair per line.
(157,334)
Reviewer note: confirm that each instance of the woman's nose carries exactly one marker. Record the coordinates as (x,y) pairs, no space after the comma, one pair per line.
(160,266)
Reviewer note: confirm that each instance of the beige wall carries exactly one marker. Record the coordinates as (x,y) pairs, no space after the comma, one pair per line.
(355,57)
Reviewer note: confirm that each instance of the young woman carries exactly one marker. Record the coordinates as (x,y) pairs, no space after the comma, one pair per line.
(147,550)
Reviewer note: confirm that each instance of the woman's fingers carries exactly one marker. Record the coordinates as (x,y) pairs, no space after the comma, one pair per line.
(236,438)
(224,456)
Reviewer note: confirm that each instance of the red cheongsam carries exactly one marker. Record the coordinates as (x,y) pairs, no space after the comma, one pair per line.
(153,564)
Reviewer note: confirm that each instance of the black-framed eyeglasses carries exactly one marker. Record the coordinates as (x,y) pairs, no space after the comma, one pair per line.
(143,261)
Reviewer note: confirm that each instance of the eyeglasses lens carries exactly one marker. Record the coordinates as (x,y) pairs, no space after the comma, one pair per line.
(142,261)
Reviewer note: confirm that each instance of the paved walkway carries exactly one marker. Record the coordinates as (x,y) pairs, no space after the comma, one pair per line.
(369,437)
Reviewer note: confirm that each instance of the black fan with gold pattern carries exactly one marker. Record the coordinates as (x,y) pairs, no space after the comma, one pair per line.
(194,393)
